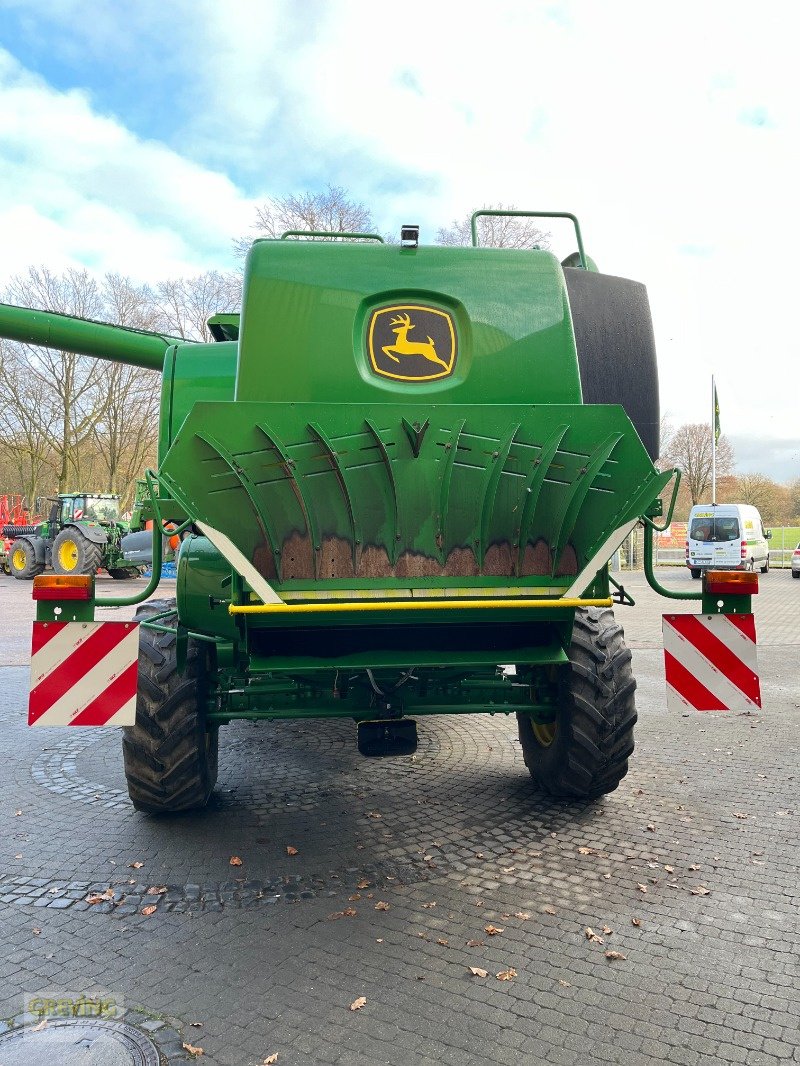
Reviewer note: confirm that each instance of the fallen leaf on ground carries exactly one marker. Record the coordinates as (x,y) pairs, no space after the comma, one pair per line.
(156,890)
(475,944)
(363,883)
(694,866)
(611,955)
(670,869)
(196,1025)
(379,940)
(608,931)
(290,850)
(493,930)
(36,931)
(700,890)
(17,814)
(564,984)
(136,865)
(506,975)
(195,1051)
(149,910)
(592,936)
(348,912)
(479,903)
(476,971)
(549,910)
(374,814)
(444,943)
(586,851)
(100,897)
(739,814)
(427,906)
(42,1025)
(381,905)
(235,860)
(522,915)
(636,921)
(357,1004)
(651,828)
(355,896)
(641,887)
(270,1060)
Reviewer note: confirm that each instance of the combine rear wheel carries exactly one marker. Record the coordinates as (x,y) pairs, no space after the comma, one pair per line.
(170,757)
(584,752)
(75,554)
(22,560)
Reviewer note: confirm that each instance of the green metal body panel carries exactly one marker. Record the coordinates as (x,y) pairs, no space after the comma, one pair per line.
(495,495)
(306,310)
(193,373)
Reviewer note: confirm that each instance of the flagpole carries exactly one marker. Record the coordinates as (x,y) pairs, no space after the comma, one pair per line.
(713,443)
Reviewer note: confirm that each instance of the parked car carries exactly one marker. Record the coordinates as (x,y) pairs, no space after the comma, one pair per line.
(726,536)
(796,562)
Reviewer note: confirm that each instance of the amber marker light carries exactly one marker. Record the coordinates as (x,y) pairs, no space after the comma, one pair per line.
(62,587)
(731,582)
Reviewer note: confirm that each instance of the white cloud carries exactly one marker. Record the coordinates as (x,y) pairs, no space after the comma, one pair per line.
(671,131)
(77,187)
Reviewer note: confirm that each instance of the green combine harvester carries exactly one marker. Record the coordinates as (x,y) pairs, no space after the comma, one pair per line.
(399,480)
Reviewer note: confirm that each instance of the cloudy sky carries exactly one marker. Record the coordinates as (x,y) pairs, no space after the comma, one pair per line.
(139,137)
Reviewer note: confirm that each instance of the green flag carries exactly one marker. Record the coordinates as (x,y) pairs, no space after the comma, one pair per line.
(716,415)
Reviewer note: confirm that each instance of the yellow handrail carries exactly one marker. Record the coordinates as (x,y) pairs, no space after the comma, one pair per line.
(411,605)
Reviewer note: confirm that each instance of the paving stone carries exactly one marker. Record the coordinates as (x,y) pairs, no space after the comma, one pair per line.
(261,963)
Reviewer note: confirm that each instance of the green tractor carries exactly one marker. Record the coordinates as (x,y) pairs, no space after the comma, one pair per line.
(81,535)
(398,483)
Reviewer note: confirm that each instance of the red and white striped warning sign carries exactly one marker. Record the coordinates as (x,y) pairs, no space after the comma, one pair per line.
(83,673)
(710,662)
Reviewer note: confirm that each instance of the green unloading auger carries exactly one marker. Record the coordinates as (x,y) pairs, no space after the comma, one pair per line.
(118,344)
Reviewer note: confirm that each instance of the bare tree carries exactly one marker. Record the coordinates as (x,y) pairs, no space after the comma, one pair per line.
(124,439)
(772,500)
(24,402)
(183,305)
(690,450)
(496,231)
(70,421)
(67,384)
(330,210)
(794,500)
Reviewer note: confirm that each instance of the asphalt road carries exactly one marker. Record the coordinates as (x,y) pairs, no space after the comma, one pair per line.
(690,870)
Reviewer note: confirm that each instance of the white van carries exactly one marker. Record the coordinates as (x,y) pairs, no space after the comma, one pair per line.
(726,536)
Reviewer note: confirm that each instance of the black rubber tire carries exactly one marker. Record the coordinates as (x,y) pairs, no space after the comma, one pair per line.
(31,568)
(588,756)
(765,567)
(124,573)
(616,348)
(170,757)
(89,554)
(795,573)
(695,573)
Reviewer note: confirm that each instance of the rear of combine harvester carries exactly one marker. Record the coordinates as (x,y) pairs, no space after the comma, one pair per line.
(401,480)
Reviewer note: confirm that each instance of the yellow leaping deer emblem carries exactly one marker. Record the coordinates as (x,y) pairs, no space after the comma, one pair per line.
(401,325)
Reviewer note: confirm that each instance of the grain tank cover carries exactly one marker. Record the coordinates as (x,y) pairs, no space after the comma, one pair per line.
(370,322)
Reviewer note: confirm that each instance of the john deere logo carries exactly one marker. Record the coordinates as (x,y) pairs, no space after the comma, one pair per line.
(411,342)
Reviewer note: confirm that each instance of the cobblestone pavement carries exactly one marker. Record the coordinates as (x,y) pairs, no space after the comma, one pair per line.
(410,871)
